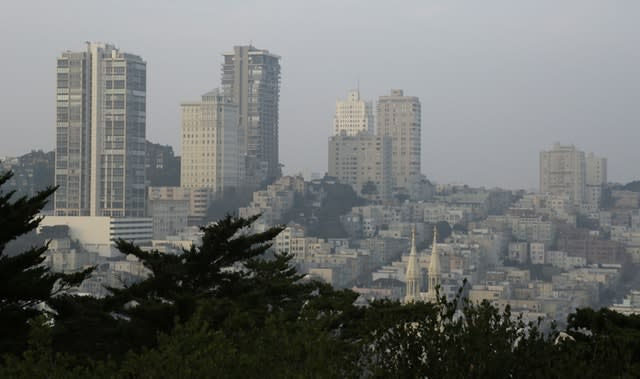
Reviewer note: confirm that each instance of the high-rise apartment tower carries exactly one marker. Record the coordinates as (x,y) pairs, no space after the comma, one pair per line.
(353,116)
(562,172)
(210,143)
(399,118)
(251,78)
(100,133)
(364,162)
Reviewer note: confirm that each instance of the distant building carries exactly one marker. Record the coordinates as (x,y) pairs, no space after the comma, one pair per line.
(582,243)
(596,178)
(100,133)
(518,252)
(198,200)
(537,253)
(162,165)
(630,304)
(210,151)
(563,171)
(251,78)
(399,117)
(274,201)
(170,216)
(563,260)
(98,233)
(353,116)
(364,162)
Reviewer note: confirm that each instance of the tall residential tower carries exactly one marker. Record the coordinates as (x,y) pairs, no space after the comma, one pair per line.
(399,118)
(210,143)
(353,116)
(251,78)
(100,133)
(565,170)
(364,162)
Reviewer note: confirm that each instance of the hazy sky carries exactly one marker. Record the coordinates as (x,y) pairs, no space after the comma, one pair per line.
(498,80)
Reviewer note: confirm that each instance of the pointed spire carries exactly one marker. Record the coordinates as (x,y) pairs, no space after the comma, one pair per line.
(413,241)
(434,263)
(435,239)
(413,272)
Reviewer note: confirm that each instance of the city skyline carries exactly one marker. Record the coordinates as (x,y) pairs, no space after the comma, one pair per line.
(498,82)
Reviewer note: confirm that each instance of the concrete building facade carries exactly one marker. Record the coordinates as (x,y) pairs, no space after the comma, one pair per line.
(399,117)
(100,133)
(364,162)
(596,178)
(169,217)
(251,78)
(563,171)
(353,116)
(98,233)
(210,151)
(198,199)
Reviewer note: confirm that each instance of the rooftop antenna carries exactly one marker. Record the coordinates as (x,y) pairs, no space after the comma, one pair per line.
(358,84)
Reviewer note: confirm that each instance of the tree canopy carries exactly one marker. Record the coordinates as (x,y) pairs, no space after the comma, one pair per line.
(229,308)
(26,285)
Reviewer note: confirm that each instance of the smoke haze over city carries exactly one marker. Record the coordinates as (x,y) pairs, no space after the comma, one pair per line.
(499,81)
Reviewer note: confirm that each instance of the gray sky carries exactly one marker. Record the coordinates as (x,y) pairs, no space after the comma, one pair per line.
(498,80)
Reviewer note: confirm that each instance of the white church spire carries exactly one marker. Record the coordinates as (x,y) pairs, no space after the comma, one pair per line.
(413,272)
(434,267)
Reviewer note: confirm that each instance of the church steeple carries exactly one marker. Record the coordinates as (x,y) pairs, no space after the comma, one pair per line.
(434,267)
(413,272)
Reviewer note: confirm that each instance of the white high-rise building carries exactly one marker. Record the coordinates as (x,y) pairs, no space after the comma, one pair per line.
(399,118)
(100,133)
(251,78)
(210,150)
(562,172)
(353,116)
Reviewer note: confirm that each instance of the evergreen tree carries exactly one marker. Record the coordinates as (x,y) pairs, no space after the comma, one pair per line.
(177,283)
(26,285)
(226,308)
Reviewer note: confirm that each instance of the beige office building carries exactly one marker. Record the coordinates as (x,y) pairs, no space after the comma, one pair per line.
(210,151)
(565,170)
(562,171)
(197,199)
(364,162)
(353,116)
(398,117)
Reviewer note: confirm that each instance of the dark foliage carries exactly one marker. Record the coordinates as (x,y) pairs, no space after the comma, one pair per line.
(26,286)
(226,308)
